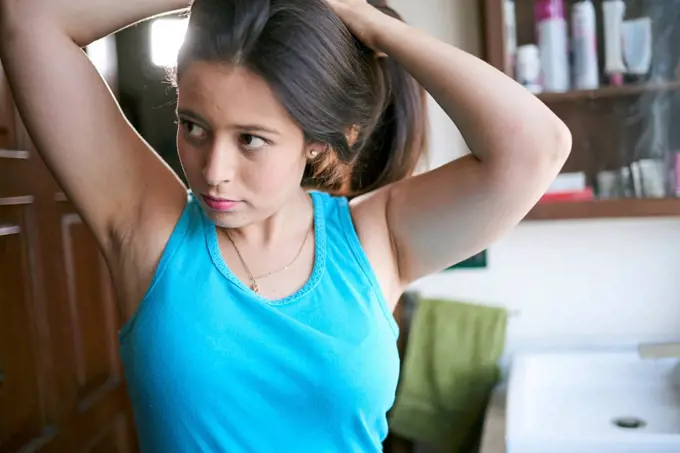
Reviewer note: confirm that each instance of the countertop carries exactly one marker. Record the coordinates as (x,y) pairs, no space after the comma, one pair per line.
(493,435)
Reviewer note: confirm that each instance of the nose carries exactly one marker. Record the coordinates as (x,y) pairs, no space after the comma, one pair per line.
(220,165)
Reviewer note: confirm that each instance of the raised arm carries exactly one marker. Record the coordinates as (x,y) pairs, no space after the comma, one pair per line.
(121,188)
(444,216)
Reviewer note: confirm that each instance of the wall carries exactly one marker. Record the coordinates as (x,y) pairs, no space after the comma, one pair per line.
(568,282)
(454,21)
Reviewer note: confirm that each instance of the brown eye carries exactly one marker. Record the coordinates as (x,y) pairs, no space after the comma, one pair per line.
(253,142)
(193,130)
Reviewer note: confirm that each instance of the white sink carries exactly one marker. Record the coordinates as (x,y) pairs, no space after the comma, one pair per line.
(575,402)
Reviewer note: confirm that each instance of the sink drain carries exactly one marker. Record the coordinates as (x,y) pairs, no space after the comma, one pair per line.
(629,422)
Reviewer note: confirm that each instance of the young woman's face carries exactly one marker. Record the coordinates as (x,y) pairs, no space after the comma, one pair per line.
(242,154)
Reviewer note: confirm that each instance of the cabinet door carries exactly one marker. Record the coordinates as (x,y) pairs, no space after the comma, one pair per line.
(23,393)
(61,385)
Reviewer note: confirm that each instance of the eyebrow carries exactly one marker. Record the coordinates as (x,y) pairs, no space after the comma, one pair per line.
(244,127)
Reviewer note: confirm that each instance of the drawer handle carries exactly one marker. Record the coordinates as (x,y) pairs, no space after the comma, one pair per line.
(7,229)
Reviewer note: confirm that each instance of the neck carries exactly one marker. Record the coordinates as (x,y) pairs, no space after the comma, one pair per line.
(290,219)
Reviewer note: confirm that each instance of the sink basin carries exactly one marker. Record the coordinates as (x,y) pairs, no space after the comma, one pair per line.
(593,402)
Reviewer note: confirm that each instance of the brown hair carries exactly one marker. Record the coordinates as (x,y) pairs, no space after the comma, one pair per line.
(330,84)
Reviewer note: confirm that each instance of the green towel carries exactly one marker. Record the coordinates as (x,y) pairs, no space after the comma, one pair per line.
(449,372)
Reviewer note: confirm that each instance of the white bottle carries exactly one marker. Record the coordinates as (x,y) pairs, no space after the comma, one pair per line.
(613,12)
(584,46)
(529,68)
(553,43)
(510,36)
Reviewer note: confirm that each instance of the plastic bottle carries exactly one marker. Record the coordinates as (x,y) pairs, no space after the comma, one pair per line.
(510,35)
(553,44)
(584,45)
(529,68)
(613,12)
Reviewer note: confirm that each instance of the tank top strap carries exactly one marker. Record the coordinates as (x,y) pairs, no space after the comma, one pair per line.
(341,229)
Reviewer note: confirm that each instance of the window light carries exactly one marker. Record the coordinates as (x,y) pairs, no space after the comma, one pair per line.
(167,36)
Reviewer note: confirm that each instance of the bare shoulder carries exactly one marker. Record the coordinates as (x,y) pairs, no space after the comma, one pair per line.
(370,220)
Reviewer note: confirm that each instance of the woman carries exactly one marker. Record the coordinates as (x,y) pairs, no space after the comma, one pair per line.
(260,311)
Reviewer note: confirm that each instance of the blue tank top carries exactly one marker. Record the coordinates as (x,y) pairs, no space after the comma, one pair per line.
(213,367)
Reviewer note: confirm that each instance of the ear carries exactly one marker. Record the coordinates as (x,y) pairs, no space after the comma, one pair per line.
(352,134)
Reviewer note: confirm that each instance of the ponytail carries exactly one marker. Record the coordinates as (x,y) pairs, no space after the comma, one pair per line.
(395,146)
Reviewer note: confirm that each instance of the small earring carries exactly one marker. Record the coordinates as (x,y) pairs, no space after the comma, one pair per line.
(313,153)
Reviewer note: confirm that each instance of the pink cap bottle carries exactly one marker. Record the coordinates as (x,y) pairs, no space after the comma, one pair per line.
(549,9)
(553,44)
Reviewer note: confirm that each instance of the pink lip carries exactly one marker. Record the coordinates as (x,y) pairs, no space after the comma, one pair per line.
(219,204)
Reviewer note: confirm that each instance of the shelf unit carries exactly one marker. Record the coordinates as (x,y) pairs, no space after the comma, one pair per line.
(624,207)
(606,122)
(611,92)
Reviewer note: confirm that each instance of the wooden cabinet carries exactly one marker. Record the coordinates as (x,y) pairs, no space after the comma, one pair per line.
(617,130)
(61,384)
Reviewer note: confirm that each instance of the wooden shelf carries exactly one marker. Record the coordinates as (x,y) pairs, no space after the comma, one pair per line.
(620,208)
(610,92)
(605,134)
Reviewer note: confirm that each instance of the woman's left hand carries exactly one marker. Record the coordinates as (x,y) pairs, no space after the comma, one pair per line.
(361,18)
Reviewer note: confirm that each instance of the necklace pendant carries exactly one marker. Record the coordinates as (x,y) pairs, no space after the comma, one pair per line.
(254,287)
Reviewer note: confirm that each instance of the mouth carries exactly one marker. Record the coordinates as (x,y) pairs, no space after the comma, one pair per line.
(219,204)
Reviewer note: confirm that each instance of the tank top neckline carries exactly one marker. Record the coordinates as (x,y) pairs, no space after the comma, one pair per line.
(317,269)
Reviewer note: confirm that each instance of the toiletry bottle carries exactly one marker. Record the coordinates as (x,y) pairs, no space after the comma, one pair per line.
(584,45)
(636,35)
(529,68)
(553,44)
(510,36)
(614,67)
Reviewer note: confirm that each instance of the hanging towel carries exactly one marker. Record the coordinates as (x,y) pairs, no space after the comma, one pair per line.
(449,372)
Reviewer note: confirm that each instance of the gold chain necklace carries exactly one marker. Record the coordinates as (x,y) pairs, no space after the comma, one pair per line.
(253,280)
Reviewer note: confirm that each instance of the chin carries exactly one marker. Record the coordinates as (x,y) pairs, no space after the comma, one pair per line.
(226,219)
